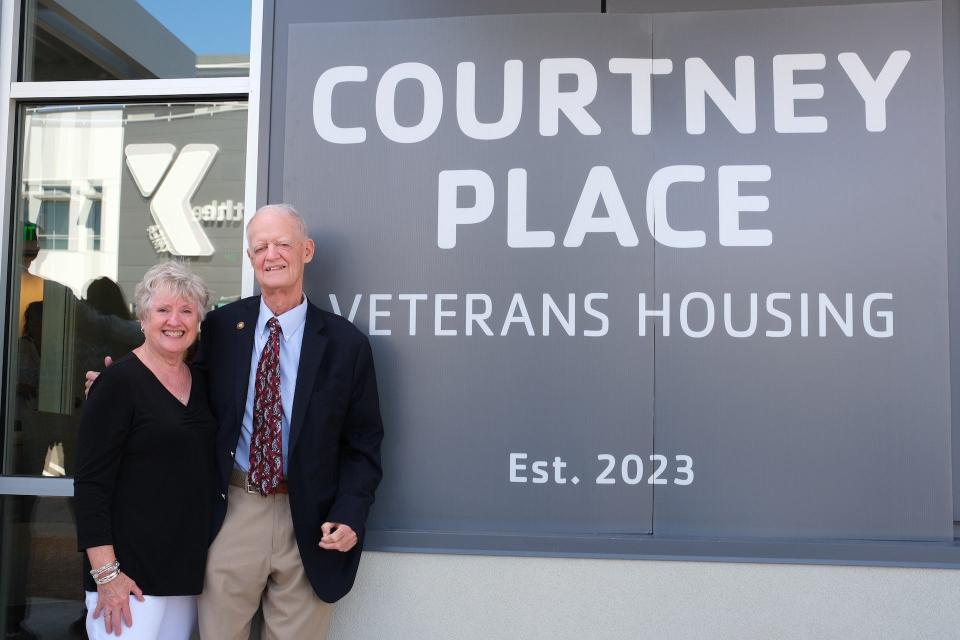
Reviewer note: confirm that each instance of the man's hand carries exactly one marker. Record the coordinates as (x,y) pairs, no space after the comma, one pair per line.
(337,537)
(92,375)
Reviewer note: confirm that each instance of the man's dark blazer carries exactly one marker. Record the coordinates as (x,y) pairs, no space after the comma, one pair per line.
(333,465)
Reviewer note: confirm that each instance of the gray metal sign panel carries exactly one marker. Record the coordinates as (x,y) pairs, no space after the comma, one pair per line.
(287,13)
(503,272)
(460,404)
(822,437)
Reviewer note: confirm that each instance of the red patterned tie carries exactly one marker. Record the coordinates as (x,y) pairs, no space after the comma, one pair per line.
(266,452)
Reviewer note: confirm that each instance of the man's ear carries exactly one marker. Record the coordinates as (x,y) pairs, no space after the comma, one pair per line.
(308,250)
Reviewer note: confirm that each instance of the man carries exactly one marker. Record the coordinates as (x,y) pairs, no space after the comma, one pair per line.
(298,472)
(288,529)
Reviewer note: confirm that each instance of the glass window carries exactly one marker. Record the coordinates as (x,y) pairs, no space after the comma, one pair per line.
(41,585)
(135,40)
(104,192)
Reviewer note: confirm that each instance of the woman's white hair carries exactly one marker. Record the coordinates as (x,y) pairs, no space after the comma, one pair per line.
(173,277)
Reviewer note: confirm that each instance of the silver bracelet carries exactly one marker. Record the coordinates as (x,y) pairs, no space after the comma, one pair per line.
(107,568)
(107,578)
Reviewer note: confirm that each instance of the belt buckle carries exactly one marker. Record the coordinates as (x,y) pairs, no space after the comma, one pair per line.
(249,488)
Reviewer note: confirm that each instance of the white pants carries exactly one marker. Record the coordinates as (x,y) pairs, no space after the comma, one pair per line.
(156,618)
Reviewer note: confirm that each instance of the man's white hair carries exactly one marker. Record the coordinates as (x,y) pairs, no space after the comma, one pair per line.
(282,207)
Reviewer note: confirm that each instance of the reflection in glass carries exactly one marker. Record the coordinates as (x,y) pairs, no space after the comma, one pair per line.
(135,39)
(105,192)
(41,581)
(53,215)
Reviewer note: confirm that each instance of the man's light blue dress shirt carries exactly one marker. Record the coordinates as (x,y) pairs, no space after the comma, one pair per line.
(291,340)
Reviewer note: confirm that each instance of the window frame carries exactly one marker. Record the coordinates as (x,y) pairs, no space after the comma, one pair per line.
(13,93)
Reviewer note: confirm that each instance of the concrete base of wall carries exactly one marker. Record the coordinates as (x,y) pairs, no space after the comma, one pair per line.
(421,596)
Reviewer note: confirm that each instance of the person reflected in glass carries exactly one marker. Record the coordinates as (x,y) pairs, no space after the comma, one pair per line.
(28,359)
(106,296)
(104,327)
(145,463)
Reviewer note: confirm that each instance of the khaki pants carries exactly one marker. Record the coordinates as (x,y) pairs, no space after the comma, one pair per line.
(255,557)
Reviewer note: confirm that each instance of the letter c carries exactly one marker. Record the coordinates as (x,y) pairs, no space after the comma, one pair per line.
(323,105)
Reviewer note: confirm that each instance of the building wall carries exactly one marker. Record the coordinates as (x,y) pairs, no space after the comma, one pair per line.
(422,596)
(402,595)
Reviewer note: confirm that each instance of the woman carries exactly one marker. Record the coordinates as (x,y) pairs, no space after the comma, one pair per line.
(145,474)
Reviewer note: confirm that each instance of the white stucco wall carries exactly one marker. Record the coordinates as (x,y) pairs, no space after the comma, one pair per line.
(463,597)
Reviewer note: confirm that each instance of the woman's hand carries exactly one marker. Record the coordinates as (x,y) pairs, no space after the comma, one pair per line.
(113,601)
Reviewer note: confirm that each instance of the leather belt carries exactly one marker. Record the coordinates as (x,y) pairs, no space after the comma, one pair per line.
(241,479)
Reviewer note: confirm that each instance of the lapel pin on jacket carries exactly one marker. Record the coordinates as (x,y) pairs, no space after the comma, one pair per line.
(240,325)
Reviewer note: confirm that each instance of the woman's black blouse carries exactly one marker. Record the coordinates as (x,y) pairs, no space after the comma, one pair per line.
(145,473)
